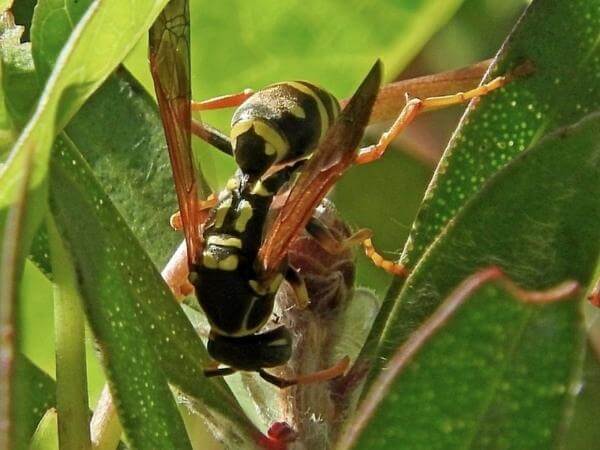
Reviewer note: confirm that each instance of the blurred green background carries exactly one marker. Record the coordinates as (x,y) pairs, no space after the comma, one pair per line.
(237,44)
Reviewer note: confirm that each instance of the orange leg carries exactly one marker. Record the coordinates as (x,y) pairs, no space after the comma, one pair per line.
(203,207)
(361,237)
(330,373)
(209,134)
(414,107)
(224,101)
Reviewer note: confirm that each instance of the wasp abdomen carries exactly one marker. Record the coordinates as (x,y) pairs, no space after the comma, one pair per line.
(280,123)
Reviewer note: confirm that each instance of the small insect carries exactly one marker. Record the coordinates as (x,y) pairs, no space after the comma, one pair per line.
(290,140)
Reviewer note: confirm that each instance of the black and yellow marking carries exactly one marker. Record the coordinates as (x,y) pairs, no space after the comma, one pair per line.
(243,302)
(280,123)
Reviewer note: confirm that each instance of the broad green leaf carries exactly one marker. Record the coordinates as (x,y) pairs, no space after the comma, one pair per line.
(562,90)
(500,375)
(86,60)
(52,24)
(506,122)
(119,132)
(481,383)
(129,308)
(145,403)
(34,395)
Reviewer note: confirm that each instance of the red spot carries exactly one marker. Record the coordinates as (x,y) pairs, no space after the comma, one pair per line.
(278,436)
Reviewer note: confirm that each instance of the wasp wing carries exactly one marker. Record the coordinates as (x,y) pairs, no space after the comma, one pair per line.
(170,67)
(334,155)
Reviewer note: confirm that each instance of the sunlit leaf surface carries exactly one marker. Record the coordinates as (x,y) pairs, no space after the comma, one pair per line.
(501,375)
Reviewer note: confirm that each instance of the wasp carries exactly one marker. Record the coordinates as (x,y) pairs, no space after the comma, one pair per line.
(290,141)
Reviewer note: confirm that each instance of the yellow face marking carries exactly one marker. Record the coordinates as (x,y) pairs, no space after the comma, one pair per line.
(232,184)
(241,127)
(257,287)
(320,106)
(245,214)
(222,212)
(225,242)
(269,149)
(229,264)
(298,111)
(274,141)
(259,189)
(209,261)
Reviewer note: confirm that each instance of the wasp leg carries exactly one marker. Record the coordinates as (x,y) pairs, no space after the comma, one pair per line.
(212,136)
(330,373)
(362,237)
(223,101)
(210,372)
(415,106)
(203,207)
(296,282)
(281,383)
(209,134)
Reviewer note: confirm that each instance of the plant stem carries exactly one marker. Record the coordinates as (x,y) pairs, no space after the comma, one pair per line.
(69,323)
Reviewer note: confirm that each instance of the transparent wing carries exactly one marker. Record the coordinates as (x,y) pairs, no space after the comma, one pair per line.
(170,67)
(335,154)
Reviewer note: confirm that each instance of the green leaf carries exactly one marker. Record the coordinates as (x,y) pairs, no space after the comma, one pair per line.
(500,374)
(86,60)
(52,23)
(120,134)
(34,395)
(506,122)
(146,406)
(130,309)
(480,383)
(560,92)
(118,130)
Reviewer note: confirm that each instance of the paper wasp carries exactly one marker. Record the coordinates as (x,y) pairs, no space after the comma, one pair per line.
(289,139)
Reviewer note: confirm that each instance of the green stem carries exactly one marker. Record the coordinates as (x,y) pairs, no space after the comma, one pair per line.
(69,323)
